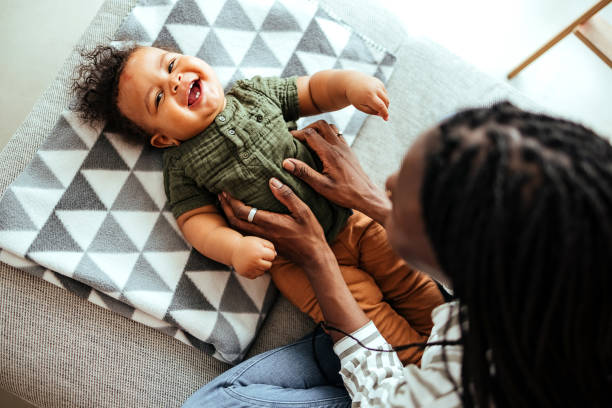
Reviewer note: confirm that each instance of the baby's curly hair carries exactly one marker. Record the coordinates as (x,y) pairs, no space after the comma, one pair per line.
(95,88)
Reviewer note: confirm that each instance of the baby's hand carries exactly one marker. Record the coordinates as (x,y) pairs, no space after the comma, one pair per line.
(368,94)
(253,256)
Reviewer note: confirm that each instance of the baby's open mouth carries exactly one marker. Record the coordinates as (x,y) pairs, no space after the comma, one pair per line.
(194,93)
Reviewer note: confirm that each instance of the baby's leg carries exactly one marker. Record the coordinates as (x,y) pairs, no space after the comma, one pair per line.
(412,293)
(294,285)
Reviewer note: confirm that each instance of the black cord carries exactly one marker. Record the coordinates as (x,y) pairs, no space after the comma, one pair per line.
(420,345)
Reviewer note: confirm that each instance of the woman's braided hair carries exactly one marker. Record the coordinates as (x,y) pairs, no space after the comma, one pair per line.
(518,208)
(95,88)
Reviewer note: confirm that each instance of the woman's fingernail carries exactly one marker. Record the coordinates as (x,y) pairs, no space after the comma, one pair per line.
(275,183)
(289,165)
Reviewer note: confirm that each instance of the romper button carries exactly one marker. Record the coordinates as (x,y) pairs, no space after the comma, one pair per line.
(232,132)
(259,117)
(244,155)
(221,118)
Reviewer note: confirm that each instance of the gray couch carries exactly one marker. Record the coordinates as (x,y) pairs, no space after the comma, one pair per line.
(58,350)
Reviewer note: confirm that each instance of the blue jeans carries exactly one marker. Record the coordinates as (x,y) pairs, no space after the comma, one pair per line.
(284,377)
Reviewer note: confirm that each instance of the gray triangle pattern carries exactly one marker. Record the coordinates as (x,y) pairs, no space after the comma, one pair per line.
(169,330)
(132,30)
(213,53)
(38,175)
(233,16)
(186,12)
(166,41)
(314,40)
(144,277)
(133,197)
(235,299)
(80,196)
(187,296)
(355,123)
(54,237)
(88,272)
(117,306)
(224,337)
(103,156)
(198,262)
(205,347)
(163,238)
(65,138)
(12,215)
(294,67)
(259,55)
(237,76)
(356,50)
(380,75)
(388,60)
(111,239)
(279,19)
(323,14)
(80,289)
(150,159)
(37,271)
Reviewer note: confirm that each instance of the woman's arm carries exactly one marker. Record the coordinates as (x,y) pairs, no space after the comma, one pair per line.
(299,237)
(372,378)
(207,231)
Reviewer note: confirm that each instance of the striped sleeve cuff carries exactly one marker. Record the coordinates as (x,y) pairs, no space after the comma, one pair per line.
(347,347)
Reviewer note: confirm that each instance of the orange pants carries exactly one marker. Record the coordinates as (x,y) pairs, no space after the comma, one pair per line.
(397,298)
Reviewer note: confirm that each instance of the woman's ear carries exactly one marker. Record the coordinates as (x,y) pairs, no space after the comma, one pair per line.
(162,141)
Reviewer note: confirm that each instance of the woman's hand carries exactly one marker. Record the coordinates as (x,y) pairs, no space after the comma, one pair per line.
(342,179)
(298,236)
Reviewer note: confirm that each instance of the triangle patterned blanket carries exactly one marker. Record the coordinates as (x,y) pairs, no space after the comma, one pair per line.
(89,212)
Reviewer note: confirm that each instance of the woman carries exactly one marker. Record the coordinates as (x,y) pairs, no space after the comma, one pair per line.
(510,208)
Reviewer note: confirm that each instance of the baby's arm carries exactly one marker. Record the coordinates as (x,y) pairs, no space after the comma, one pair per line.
(334,89)
(208,232)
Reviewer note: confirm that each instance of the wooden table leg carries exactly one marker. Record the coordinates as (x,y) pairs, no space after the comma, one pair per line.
(568,30)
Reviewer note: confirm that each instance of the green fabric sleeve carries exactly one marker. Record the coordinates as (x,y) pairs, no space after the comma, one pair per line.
(182,192)
(282,91)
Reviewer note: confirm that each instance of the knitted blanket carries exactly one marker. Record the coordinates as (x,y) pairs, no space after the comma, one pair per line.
(89,212)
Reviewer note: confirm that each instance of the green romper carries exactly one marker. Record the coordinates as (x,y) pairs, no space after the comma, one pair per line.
(241,150)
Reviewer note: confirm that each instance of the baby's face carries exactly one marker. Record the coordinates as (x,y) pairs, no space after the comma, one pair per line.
(171,96)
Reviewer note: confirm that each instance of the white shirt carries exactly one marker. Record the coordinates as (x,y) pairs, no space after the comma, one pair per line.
(378,379)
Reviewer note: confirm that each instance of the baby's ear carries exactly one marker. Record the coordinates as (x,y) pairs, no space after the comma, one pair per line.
(162,141)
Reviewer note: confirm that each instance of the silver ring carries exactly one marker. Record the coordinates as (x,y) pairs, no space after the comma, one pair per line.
(251,214)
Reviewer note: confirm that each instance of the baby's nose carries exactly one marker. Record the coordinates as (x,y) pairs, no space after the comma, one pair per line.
(179,77)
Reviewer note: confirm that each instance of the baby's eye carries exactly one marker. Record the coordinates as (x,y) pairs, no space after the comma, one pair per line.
(158,99)
(171,66)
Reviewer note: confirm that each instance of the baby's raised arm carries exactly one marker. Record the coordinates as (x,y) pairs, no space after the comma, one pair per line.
(334,89)
(208,232)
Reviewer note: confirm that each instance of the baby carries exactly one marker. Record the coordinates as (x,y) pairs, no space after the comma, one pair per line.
(235,143)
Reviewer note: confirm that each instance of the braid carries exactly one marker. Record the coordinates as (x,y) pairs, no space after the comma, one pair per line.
(534,195)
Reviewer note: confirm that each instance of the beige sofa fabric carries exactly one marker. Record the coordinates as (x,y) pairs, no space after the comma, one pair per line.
(57,350)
